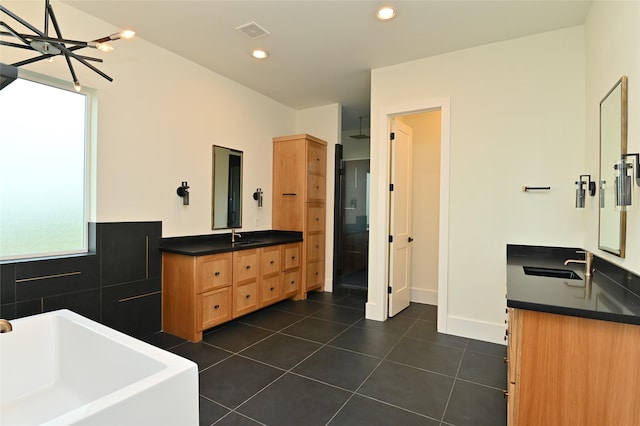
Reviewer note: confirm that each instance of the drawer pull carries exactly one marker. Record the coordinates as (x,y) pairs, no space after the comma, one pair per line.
(317,186)
(247,296)
(317,159)
(216,307)
(293,282)
(317,273)
(317,245)
(271,289)
(289,194)
(293,258)
(248,266)
(272,262)
(216,273)
(317,219)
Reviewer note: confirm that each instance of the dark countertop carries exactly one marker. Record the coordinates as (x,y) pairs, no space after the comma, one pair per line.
(200,245)
(612,293)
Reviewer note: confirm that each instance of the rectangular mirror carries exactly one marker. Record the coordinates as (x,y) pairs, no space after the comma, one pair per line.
(613,144)
(226,209)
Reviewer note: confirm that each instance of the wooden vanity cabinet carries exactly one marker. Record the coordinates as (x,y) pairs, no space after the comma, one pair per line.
(565,370)
(200,292)
(196,293)
(299,198)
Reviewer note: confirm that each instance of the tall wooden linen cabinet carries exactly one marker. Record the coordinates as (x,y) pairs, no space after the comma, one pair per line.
(299,196)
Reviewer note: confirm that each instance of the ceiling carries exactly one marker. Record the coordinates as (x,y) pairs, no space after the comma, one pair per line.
(321,52)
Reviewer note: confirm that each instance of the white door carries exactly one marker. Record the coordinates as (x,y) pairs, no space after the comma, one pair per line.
(400,217)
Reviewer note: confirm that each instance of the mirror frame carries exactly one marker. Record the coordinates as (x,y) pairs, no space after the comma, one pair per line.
(622,222)
(213,189)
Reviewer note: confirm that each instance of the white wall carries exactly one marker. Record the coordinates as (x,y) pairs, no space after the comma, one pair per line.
(517,118)
(325,123)
(156,124)
(612,38)
(425,205)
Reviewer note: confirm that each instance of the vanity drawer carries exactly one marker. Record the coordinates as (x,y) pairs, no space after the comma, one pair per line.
(245,266)
(213,308)
(315,246)
(315,273)
(315,217)
(270,259)
(316,188)
(290,282)
(246,299)
(291,256)
(269,290)
(214,271)
(316,159)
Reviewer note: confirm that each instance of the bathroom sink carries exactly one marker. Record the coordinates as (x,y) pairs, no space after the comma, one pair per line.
(245,242)
(566,274)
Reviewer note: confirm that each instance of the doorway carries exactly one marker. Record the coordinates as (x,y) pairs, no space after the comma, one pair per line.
(351,239)
(377,300)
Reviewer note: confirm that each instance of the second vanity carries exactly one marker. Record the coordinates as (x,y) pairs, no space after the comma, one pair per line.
(208,280)
(573,341)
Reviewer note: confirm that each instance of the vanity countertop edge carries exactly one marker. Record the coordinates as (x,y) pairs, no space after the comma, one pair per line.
(613,295)
(201,245)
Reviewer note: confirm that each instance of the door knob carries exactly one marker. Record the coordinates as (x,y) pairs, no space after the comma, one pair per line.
(410,239)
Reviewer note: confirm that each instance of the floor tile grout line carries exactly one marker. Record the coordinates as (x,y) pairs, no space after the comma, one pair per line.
(446,406)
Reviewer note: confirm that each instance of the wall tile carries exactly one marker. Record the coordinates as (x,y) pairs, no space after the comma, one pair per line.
(7,283)
(85,303)
(133,308)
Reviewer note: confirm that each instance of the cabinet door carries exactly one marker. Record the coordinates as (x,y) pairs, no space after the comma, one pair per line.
(315,247)
(290,283)
(316,158)
(245,266)
(214,271)
(213,308)
(291,256)
(270,290)
(315,274)
(270,259)
(316,188)
(315,217)
(246,299)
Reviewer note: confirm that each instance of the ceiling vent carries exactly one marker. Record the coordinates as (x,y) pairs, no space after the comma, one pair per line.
(253,30)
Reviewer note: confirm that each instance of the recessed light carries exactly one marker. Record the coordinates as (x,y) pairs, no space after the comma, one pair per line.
(385,13)
(259,54)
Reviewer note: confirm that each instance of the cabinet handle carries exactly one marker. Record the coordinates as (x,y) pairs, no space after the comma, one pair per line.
(289,194)
(317,245)
(247,296)
(317,219)
(216,306)
(216,273)
(293,282)
(293,258)
(272,262)
(271,289)
(317,273)
(317,186)
(248,266)
(317,159)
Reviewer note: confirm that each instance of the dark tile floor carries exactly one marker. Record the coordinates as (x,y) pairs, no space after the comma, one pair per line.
(319,362)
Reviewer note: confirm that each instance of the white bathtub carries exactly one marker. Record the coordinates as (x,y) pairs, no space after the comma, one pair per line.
(60,368)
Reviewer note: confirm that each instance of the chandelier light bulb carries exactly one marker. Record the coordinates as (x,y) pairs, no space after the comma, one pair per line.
(104,47)
(127,34)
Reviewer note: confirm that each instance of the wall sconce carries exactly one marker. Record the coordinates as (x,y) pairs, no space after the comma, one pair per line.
(624,182)
(183,191)
(258,196)
(580,191)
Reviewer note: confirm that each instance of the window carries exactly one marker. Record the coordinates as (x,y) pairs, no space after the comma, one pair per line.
(43,170)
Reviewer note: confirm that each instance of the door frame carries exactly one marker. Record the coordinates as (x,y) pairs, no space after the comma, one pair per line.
(376,307)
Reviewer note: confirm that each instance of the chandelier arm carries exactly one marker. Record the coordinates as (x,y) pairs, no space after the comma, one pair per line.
(32,60)
(19,46)
(71,70)
(22,21)
(13,33)
(83,62)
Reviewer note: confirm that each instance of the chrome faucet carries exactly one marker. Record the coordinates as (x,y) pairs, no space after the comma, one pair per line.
(234,234)
(5,326)
(588,260)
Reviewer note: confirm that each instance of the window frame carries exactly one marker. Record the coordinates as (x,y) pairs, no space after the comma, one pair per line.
(90,116)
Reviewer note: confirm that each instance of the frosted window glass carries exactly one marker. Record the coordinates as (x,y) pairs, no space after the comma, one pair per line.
(42,170)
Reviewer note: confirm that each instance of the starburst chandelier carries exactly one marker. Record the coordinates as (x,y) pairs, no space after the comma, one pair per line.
(47,46)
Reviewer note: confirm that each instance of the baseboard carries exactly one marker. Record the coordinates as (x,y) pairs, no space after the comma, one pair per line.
(420,295)
(479,330)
